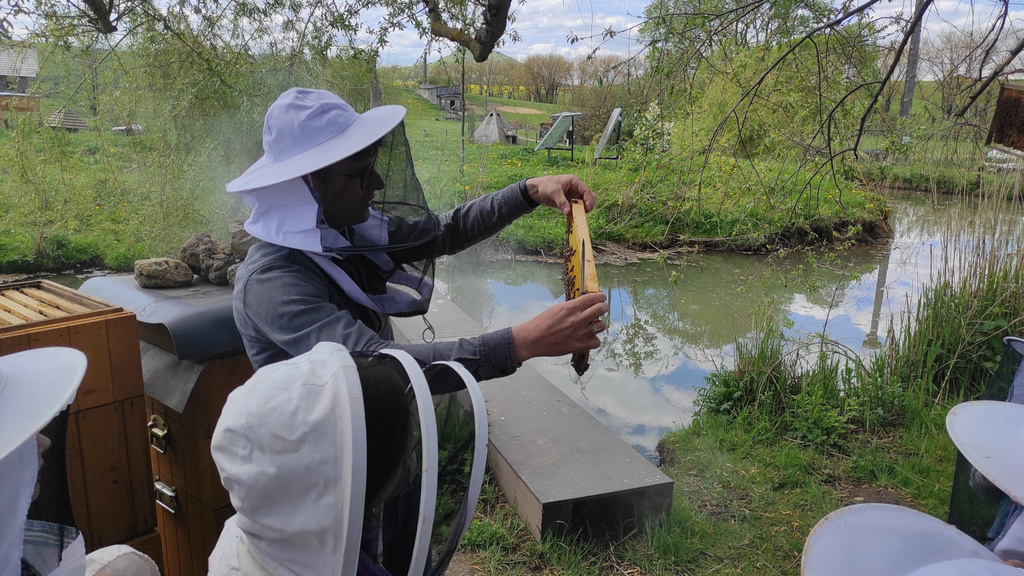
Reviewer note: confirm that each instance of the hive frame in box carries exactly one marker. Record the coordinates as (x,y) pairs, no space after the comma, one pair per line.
(106,456)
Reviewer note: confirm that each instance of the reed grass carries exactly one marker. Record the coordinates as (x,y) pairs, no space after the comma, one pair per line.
(955,337)
(814,390)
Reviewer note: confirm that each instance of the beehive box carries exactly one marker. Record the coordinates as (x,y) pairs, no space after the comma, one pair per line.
(192,503)
(107,457)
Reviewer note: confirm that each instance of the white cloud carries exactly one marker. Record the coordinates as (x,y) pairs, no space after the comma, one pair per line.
(544,27)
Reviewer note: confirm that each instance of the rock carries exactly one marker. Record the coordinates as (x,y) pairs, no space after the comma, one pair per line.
(189,253)
(232,272)
(241,240)
(162,273)
(215,259)
(207,257)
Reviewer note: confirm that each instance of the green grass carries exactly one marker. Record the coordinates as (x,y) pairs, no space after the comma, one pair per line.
(94,196)
(649,202)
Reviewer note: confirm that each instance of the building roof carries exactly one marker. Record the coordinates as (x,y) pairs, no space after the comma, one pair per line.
(492,129)
(66,119)
(19,61)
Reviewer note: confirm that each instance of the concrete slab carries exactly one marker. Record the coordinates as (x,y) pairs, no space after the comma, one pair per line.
(561,466)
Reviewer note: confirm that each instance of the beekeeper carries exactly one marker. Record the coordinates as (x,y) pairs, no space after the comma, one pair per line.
(886,540)
(35,386)
(309,450)
(348,241)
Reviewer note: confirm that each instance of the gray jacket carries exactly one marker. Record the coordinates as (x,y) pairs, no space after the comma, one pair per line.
(284,304)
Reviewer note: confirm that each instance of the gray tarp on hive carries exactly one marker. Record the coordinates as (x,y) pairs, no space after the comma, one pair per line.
(492,129)
(66,119)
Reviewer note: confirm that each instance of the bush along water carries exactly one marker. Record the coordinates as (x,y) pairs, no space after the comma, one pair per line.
(818,392)
(813,391)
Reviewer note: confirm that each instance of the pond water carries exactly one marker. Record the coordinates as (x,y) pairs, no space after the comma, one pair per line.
(672,323)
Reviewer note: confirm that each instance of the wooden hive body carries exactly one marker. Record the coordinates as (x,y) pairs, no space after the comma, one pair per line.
(106,454)
(191,523)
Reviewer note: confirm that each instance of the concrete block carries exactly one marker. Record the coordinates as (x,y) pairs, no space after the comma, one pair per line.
(564,469)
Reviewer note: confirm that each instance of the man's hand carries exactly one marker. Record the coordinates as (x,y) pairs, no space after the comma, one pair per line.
(557,190)
(564,328)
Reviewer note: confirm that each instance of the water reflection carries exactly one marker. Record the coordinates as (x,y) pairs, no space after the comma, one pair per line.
(671,324)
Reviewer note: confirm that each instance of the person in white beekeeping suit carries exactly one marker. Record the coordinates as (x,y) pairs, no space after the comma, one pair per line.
(888,540)
(35,386)
(310,449)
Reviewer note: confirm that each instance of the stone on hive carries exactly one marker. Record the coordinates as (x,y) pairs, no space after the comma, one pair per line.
(162,273)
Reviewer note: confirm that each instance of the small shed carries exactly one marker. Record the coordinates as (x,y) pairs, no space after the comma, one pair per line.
(66,119)
(449,98)
(493,129)
(19,67)
(427,91)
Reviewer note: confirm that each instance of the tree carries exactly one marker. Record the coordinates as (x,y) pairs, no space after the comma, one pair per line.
(477,25)
(913,53)
(600,86)
(891,89)
(511,74)
(693,40)
(546,74)
(688,42)
(486,74)
(957,60)
(600,69)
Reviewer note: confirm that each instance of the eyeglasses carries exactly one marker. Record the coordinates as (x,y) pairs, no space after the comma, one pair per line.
(365,175)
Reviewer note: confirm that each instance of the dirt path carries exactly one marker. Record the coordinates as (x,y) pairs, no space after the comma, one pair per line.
(475,109)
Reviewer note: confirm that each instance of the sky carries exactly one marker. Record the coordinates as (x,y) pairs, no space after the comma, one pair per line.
(545,25)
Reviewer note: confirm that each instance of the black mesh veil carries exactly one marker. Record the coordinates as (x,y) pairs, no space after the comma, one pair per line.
(972,510)
(400,219)
(393,251)
(402,197)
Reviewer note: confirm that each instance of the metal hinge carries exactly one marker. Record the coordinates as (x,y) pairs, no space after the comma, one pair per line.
(166,496)
(158,434)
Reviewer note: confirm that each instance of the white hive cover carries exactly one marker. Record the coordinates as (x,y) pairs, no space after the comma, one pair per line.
(991,436)
(883,540)
(969,567)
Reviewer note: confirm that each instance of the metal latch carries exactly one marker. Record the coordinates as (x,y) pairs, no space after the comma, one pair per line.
(166,496)
(158,434)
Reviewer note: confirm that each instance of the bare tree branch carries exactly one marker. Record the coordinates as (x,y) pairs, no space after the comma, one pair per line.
(1014,52)
(482,43)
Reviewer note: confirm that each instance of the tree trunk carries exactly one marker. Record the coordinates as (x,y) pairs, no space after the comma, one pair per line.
(376,94)
(462,95)
(913,50)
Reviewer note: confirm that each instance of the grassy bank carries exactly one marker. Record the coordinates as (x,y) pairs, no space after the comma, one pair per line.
(650,199)
(97,197)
